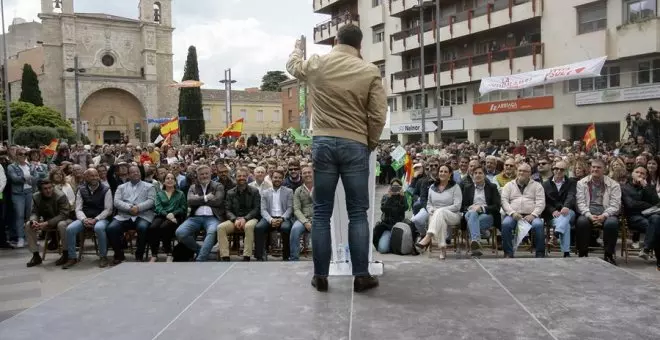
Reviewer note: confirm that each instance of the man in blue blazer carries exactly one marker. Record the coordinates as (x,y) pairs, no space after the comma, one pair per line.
(276,212)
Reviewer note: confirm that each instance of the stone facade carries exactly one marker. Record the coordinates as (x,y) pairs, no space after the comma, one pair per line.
(122,58)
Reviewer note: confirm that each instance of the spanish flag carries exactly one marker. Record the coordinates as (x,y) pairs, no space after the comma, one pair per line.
(168,140)
(589,138)
(234,129)
(170,127)
(51,149)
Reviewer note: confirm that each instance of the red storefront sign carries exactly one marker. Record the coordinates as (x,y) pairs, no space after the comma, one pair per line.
(521,104)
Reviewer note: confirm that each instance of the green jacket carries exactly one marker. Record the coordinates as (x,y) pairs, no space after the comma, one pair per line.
(303,205)
(177,204)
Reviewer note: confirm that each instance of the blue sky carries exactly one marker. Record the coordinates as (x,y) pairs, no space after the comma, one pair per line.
(249,36)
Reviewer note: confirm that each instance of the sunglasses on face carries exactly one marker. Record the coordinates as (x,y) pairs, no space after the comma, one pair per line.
(543,163)
(509,165)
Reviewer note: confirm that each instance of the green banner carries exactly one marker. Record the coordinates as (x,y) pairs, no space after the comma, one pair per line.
(396,165)
(377,169)
(302,94)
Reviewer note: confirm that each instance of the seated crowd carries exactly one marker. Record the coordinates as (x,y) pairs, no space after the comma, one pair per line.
(479,200)
(120,193)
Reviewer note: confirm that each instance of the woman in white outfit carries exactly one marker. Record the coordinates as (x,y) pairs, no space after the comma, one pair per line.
(443,205)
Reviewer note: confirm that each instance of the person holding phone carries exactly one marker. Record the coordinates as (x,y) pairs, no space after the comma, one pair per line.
(394,206)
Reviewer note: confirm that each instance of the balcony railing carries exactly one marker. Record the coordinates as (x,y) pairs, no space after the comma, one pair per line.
(506,53)
(468,15)
(335,21)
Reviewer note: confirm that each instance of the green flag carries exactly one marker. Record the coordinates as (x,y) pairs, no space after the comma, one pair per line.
(377,169)
(396,165)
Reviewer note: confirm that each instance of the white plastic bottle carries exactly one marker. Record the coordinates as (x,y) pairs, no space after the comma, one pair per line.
(347,252)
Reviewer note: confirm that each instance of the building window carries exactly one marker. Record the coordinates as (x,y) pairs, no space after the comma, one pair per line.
(260,115)
(381,68)
(276,116)
(291,117)
(289,92)
(610,76)
(207,113)
(414,101)
(648,72)
(376,3)
(392,104)
(592,17)
(638,10)
(243,113)
(378,33)
(453,97)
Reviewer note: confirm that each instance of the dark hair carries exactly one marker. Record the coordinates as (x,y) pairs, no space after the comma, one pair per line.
(350,35)
(42,182)
(479,167)
(278,171)
(397,181)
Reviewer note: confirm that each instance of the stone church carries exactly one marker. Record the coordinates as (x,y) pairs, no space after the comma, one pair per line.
(127,68)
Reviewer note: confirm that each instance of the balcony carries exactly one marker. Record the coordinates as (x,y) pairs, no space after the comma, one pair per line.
(630,40)
(326,6)
(509,60)
(399,7)
(325,32)
(496,14)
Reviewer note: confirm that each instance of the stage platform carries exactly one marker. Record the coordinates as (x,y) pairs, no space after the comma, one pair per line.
(454,299)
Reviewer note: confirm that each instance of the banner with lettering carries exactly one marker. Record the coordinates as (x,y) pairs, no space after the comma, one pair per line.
(584,69)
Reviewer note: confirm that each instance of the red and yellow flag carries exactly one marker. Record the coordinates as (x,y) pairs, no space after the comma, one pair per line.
(170,127)
(235,129)
(408,168)
(589,138)
(168,140)
(51,149)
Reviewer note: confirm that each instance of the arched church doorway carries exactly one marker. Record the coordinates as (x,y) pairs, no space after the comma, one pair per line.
(111,113)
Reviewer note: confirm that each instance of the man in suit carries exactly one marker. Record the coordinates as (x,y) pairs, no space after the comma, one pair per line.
(560,205)
(276,212)
(207,209)
(243,207)
(134,201)
(50,210)
(481,204)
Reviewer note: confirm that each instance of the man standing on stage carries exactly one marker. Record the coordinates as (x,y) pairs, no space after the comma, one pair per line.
(349,109)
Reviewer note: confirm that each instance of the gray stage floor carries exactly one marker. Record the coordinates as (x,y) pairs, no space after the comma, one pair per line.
(464,299)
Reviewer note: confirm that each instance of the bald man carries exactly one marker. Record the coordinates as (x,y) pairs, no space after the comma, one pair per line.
(93,208)
(523,199)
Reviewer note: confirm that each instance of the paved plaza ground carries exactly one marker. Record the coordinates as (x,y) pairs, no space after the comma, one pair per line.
(22,287)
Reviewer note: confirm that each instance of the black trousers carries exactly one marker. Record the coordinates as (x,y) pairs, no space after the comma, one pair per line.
(583,228)
(162,230)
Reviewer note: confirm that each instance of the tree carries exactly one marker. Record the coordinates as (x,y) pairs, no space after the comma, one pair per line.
(30,92)
(272,79)
(190,99)
(155,132)
(41,116)
(35,136)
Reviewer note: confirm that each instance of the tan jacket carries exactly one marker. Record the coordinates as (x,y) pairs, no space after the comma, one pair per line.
(611,197)
(346,93)
(530,201)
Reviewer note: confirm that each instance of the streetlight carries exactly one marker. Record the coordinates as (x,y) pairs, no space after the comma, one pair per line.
(422,67)
(5,81)
(438,63)
(76,72)
(228,81)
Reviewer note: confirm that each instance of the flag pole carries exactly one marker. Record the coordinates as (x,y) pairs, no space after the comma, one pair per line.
(595,135)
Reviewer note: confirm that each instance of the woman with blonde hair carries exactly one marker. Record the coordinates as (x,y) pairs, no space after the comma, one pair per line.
(443,205)
(56,176)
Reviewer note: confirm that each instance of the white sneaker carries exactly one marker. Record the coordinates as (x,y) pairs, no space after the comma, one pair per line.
(169,259)
(20,243)
(643,255)
(635,245)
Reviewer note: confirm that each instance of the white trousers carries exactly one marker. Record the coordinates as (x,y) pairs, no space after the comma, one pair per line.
(440,220)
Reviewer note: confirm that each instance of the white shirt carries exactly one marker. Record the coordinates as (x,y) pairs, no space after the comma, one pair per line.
(204,210)
(276,209)
(558,184)
(26,175)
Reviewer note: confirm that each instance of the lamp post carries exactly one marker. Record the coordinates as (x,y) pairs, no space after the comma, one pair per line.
(228,81)
(438,63)
(5,81)
(421,66)
(76,73)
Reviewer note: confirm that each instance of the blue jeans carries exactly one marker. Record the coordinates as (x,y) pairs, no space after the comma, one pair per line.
(421,220)
(116,229)
(22,204)
(509,225)
(647,225)
(476,223)
(187,232)
(297,230)
(76,227)
(384,242)
(563,226)
(261,231)
(335,158)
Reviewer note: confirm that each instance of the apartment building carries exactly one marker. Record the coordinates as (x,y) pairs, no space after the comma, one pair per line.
(484,38)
